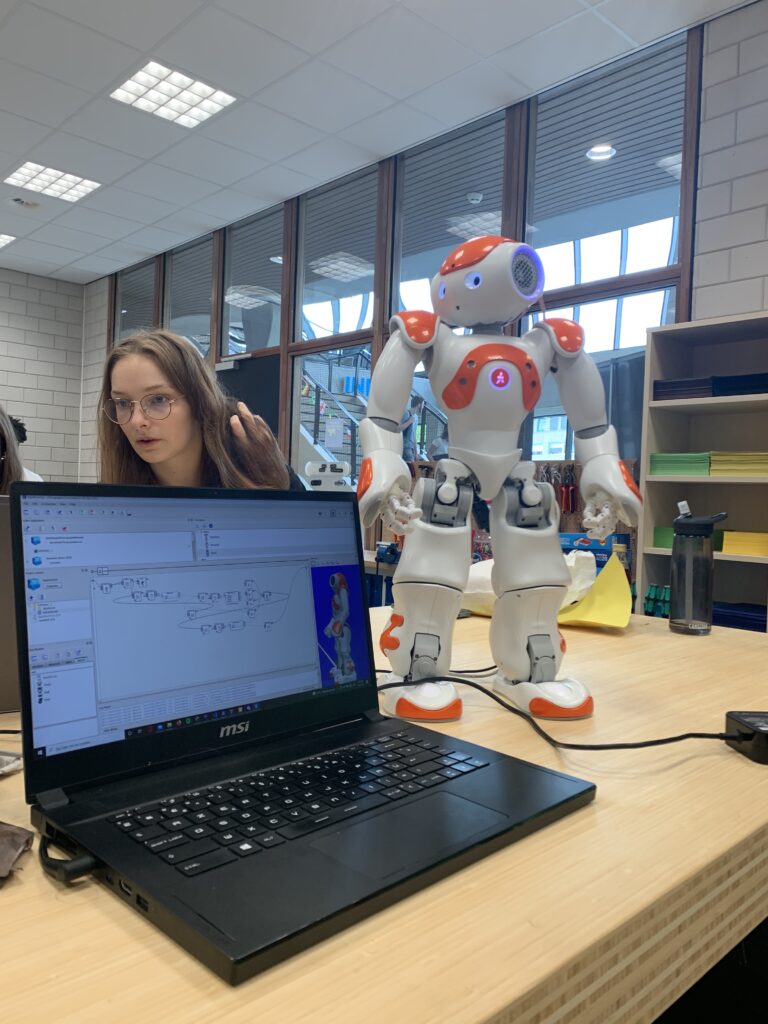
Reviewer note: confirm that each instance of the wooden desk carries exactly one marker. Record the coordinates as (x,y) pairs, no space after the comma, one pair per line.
(604,917)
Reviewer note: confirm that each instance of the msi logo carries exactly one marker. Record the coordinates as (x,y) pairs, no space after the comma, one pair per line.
(233,730)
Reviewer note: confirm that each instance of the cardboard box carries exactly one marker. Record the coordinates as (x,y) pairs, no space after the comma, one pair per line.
(601,549)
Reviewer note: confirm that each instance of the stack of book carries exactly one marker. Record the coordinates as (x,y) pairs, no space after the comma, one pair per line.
(688,387)
(707,387)
(738,463)
(738,542)
(679,464)
(740,616)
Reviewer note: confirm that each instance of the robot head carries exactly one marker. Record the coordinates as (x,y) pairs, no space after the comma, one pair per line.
(338,581)
(487,280)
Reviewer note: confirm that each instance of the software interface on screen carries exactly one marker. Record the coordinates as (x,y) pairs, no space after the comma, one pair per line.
(145,614)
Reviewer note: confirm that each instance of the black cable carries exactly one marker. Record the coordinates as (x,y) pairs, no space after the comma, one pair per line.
(10,732)
(557,743)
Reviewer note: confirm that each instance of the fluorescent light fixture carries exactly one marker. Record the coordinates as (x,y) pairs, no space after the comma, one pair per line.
(342,266)
(473,224)
(249,296)
(171,95)
(6,240)
(602,151)
(51,182)
(672,165)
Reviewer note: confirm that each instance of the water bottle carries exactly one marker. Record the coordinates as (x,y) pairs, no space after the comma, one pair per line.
(690,593)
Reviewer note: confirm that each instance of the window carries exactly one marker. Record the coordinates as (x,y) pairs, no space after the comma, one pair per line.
(338,240)
(600,218)
(135,300)
(450,192)
(253,284)
(189,282)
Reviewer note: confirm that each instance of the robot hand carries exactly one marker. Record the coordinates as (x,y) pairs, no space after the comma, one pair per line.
(400,514)
(328,630)
(609,494)
(383,491)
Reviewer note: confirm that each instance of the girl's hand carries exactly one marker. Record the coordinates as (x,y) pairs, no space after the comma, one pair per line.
(249,429)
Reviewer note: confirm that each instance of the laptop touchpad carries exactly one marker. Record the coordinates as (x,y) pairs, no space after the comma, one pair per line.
(410,836)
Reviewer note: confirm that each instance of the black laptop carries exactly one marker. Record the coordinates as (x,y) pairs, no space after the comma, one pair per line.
(203,737)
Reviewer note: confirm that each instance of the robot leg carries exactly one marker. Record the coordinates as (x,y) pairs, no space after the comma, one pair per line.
(344,656)
(427,588)
(529,579)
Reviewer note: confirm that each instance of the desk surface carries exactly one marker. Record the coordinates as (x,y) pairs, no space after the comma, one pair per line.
(607,915)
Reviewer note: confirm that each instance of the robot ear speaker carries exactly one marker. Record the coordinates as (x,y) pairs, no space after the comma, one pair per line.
(527,275)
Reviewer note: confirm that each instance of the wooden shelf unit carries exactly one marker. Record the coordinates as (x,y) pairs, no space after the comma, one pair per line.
(725,345)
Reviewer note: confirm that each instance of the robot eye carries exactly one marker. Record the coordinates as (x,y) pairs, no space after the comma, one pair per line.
(473,279)
(441,292)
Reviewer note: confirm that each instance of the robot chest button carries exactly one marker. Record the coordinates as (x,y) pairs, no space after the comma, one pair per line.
(459,393)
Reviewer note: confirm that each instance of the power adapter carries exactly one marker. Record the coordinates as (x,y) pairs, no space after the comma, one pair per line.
(752,727)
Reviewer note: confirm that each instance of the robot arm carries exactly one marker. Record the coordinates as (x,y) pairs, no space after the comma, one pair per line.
(608,490)
(384,484)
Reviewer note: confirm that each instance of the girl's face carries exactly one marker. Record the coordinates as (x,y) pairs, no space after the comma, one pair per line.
(172,446)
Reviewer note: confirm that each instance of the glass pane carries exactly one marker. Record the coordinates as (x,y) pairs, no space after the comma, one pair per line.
(253,275)
(330,398)
(189,280)
(639,312)
(450,192)
(338,251)
(635,107)
(599,322)
(135,300)
(600,256)
(559,265)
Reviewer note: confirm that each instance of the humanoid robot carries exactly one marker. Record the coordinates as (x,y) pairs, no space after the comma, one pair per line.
(486,383)
(344,670)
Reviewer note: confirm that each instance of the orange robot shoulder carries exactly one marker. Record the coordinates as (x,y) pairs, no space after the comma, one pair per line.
(418,328)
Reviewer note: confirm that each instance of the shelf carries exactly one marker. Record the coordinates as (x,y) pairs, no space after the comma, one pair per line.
(710,406)
(658,479)
(720,556)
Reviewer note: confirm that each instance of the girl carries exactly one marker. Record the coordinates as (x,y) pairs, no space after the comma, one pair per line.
(165,420)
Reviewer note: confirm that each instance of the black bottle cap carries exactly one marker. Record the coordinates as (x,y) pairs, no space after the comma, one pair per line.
(696,526)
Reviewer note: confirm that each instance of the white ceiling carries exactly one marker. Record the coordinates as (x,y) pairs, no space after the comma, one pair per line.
(323,87)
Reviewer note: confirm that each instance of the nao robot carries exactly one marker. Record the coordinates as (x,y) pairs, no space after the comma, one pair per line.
(486,383)
(344,669)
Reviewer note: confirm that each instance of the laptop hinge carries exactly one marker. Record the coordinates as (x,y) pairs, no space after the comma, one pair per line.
(51,799)
(374,716)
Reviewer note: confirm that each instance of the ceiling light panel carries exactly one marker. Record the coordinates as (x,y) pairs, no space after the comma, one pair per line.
(6,240)
(51,182)
(342,266)
(172,95)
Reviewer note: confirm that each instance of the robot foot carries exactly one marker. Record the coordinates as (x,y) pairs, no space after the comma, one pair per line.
(559,699)
(427,702)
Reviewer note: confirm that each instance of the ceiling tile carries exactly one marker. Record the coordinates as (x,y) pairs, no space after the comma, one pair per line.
(633,19)
(139,23)
(95,222)
(55,234)
(246,60)
(76,276)
(125,128)
(122,203)
(211,160)
(189,222)
(160,182)
(323,96)
(276,183)
(260,131)
(59,48)
(78,156)
(392,130)
(311,25)
(96,266)
(228,205)
(42,251)
(470,93)
(493,26)
(331,158)
(18,134)
(423,54)
(46,207)
(27,266)
(155,239)
(36,96)
(125,253)
(570,48)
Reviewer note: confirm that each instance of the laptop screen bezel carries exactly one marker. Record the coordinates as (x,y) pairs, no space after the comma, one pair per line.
(114,761)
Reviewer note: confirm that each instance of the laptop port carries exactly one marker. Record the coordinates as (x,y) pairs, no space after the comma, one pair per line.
(126,888)
(142,903)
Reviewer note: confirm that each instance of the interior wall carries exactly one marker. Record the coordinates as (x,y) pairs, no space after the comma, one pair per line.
(41,336)
(730,272)
(95,314)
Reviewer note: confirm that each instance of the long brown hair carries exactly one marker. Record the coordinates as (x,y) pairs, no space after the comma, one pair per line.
(10,461)
(225,463)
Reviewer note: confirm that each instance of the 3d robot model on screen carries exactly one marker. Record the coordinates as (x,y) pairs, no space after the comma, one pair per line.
(486,383)
(344,670)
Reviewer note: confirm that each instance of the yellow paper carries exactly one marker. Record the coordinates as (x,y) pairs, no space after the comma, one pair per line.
(608,601)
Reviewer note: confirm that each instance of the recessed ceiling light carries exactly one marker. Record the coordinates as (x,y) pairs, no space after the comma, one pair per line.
(602,151)
(276,259)
(249,296)
(473,224)
(171,95)
(342,266)
(672,165)
(51,182)
(6,240)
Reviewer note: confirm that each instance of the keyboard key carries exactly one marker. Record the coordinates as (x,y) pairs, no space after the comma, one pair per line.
(476,762)
(395,793)
(189,851)
(198,831)
(267,839)
(226,838)
(141,835)
(272,822)
(245,848)
(331,817)
(175,824)
(166,841)
(449,773)
(215,859)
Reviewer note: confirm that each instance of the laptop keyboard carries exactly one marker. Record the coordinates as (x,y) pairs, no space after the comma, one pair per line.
(210,827)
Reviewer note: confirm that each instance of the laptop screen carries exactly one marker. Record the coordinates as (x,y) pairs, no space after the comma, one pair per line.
(150,613)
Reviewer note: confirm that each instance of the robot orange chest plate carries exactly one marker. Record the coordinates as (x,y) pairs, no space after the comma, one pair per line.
(495,366)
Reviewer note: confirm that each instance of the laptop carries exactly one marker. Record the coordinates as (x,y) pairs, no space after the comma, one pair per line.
(9,679)
(204,737)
